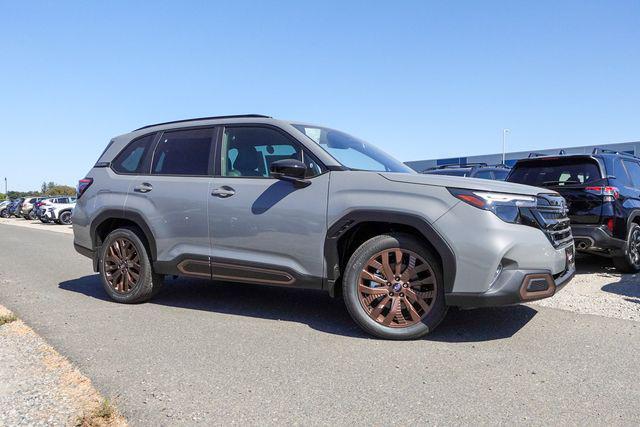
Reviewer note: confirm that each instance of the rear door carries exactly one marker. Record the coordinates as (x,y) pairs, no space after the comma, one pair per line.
(172,196)
(571,177)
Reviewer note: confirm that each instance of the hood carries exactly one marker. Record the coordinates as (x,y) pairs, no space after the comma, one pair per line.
(466,183)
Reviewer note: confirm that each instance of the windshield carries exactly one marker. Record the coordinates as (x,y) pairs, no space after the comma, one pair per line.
(556,172)
(352,152)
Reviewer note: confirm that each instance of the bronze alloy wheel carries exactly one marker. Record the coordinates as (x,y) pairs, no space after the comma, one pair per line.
(122,265)
(397,288)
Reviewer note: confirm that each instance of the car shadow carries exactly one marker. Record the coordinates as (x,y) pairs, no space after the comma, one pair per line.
(589,264)
(628,286)
(313,308)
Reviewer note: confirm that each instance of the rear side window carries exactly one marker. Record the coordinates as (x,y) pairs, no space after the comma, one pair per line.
(184,152)
(634,172)
(500,175)
(483,175)
(555,172)
(131,159)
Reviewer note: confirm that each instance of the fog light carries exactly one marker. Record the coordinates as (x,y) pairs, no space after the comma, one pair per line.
(496,274)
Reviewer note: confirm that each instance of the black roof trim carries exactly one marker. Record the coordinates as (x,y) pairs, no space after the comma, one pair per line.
(234,116)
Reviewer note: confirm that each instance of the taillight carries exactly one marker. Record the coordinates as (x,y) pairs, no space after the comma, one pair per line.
(610,224)
(609,194)
(83,184)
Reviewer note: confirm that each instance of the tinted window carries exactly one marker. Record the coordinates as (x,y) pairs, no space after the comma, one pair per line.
(249,151)
(185,152)
(500,175)
(484,174)
(634,172)
(131,159)
(555,172)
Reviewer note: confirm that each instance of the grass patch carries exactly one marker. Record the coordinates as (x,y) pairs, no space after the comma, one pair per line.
(103,415)
(7,318)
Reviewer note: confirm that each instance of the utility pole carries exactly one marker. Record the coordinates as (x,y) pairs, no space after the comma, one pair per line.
(6,191)
(504,144)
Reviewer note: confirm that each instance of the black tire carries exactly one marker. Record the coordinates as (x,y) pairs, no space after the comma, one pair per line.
(65,217)
(149,282)
(351,278)
(44,219)
(630,261)
(31,215)
(4,213)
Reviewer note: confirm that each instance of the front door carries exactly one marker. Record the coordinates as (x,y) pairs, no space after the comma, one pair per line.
(264,230)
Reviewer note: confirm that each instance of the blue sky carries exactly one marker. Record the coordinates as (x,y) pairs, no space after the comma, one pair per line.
(420,79)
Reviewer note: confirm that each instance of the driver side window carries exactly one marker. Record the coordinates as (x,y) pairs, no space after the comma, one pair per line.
(249,152)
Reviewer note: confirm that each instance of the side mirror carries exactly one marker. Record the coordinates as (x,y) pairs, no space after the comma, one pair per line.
(291,170)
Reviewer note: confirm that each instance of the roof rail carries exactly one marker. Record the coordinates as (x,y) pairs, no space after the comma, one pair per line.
(536,155)
(500,165)
(233,116)
(460,165)
(607,151)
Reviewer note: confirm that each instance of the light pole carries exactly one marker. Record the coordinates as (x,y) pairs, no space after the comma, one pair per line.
(504,143)
(6,191)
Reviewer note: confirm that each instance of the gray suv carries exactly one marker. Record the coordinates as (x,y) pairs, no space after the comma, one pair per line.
(251,199)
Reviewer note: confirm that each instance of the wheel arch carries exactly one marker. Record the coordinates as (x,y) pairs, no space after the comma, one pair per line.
(634,218)
(111,219)
(358,226)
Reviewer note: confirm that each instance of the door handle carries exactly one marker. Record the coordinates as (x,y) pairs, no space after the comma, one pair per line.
(223,192)
(145,187)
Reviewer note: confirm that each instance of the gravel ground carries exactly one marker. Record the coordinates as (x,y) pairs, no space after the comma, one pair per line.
(598,289)
(39,387)
(38,225)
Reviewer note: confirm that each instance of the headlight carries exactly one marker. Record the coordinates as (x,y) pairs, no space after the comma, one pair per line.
(505,206)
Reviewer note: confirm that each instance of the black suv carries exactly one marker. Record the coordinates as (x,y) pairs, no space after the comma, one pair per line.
(602,191)
(471,170)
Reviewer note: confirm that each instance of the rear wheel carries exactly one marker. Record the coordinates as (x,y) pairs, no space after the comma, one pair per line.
(4,213)
(630,261)
(65,217)
(125,268)
(393,288)
(31,215)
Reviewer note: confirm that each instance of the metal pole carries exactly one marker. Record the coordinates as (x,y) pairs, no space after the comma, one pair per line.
(6,190)
(504,144)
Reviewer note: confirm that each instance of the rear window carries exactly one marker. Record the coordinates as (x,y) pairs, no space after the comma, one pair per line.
(555,172)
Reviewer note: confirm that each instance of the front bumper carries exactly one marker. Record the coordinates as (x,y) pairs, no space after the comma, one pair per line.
(514,287)
(596,238)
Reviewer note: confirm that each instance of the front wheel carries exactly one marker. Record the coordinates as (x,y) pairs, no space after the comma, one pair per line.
(4,213)
(393,287)
(630,261)
(31,215)
(125,268)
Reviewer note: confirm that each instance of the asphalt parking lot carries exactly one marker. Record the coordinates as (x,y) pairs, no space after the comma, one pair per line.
(215,353)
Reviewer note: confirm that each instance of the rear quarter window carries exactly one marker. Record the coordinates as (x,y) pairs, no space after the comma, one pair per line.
(131,160)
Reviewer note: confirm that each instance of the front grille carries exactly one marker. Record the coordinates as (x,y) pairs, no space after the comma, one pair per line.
(550,216)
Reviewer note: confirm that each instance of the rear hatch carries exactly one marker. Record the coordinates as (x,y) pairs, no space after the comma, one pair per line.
(576,178)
